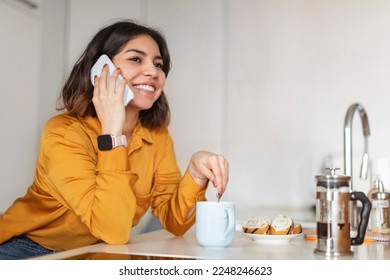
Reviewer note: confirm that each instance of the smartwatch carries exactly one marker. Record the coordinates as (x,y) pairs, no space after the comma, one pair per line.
(108,142)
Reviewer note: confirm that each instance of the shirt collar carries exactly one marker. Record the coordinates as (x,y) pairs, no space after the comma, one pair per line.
(142,133)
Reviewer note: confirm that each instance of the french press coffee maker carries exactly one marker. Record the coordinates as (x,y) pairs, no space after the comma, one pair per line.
(332,215)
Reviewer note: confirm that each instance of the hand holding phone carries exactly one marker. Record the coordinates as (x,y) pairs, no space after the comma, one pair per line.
(97,70)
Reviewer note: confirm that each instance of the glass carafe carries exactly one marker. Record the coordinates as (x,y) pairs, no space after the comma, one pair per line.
(332,215)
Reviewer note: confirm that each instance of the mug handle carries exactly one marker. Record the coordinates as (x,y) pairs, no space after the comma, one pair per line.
(231,223)
(364,217)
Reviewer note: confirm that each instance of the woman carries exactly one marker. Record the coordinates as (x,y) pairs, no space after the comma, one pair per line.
(89,188)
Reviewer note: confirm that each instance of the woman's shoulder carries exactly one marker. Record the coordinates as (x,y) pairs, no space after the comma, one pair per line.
(61,123)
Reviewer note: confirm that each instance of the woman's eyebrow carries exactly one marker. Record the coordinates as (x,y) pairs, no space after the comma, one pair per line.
(142,53)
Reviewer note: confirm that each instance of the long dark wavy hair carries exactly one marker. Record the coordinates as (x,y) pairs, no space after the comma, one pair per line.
(77,92)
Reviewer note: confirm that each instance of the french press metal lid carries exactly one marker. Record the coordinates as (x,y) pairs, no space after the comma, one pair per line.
(331,181)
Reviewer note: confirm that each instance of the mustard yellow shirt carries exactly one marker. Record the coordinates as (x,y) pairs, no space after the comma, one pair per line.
(81,195)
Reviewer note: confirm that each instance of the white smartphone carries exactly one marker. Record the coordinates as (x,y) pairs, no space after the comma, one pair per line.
(97,70)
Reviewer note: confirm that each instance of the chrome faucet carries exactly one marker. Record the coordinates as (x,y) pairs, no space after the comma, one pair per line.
(348,142)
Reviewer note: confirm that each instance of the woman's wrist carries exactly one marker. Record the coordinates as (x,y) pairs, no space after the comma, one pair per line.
(200,180)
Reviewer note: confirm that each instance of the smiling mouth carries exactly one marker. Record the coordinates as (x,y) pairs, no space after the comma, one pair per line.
(145,87)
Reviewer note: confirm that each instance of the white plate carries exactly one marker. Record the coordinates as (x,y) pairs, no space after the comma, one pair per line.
(271,239)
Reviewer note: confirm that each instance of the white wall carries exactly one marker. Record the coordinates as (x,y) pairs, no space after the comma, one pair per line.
(54,57)
(267,83)
(294,69)
(20,56)
(32,57)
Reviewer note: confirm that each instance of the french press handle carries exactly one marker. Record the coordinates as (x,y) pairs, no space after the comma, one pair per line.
(364,217)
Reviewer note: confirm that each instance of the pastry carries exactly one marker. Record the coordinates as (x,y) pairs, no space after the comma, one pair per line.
(257,225)
(297,229)
(281,225)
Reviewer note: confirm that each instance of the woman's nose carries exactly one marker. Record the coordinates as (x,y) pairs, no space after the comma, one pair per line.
(149,69)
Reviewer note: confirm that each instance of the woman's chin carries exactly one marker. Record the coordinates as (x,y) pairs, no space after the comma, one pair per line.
(141,105)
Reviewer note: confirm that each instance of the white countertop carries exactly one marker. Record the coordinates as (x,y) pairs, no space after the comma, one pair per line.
(163,244)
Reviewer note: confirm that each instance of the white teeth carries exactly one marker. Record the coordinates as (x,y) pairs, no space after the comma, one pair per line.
(145,87)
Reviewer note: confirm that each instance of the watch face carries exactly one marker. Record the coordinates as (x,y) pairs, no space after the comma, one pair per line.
(104,142)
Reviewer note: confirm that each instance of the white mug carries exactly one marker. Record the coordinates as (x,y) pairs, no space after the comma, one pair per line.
(215,223)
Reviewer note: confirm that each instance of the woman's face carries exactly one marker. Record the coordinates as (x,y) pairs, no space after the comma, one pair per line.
(141,64)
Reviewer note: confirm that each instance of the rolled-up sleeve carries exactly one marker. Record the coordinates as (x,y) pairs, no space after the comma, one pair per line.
(95,186)
(174,196)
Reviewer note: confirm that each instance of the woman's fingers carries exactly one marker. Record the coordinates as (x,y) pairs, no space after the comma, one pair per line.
(108,101)
(220,168)
(212,167)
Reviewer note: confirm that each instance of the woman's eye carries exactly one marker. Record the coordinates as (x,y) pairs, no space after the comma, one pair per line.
(159,65)
(136,59)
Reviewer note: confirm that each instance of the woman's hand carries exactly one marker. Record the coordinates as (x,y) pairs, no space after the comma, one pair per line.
(109,103)
(206,166)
